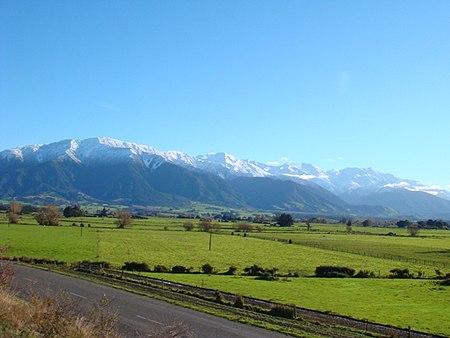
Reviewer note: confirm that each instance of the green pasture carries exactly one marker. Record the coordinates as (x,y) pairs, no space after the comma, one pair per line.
(163,241)
(419,304)
(157,246)
(431,248)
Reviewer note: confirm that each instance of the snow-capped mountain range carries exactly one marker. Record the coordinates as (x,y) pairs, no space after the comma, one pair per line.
(341,182)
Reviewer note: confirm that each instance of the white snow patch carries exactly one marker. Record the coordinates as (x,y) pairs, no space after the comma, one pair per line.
(403,185)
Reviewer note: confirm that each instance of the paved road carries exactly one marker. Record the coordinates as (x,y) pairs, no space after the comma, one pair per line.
(137,314)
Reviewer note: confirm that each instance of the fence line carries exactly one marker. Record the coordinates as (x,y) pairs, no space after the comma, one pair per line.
(364,253)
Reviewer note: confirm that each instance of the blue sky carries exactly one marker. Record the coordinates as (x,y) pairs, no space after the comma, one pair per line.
(334,83)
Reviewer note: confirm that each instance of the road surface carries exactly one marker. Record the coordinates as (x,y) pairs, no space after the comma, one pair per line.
(137,314)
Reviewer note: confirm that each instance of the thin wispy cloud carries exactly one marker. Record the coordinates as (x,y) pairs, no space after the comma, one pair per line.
(337,159)
(343,81)
(108,106)
(280,161)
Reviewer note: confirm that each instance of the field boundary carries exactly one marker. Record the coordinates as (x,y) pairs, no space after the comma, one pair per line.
(302,313)
(391,257)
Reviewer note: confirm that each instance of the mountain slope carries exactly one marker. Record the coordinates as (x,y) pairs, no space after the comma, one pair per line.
(268,193)
(284,195)
(409,203)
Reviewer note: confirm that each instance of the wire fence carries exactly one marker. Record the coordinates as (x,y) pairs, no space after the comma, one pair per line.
(393,257)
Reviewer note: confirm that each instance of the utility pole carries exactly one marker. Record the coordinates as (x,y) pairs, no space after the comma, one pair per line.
(210,238)
(98,245)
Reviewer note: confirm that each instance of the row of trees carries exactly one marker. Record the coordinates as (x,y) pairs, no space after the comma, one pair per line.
(50,215)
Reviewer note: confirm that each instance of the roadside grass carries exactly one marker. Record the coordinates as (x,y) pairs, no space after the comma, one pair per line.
(54,316)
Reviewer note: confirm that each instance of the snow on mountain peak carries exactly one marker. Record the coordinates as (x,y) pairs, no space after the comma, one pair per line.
(134,147)
(222,164)
(226,165)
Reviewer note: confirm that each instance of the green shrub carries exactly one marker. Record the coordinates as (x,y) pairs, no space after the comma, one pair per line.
(400,273)
(282,311)
(334,271)
(179,269)
(365,274)
(254,270)
(446,280)
(160,268)
(231,270)
(207,268)
(239,302)
(135,266)
(218,297)
(294,274)
(188,226)
(266,275)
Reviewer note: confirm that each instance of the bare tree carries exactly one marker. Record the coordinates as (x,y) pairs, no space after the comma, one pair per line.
(48,215)
(124,219)
(188,226)
(15,209)
(413,230)
(349,227)
(308,226)
(205,225)
(216,227)
(367,223)
(244,226)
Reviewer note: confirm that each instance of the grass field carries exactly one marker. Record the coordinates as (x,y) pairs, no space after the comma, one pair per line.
(432,248)
(419,304)
(416,303)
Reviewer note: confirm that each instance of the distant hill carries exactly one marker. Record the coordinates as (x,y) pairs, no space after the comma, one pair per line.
(408,203)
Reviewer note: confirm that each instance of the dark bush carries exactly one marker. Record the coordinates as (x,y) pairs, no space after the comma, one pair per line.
(231,270)
(160,268)
(106,265)
(239,302)
(218,297)
(254,270)
(207,268)
(446,281)
(135,266)
(282,311)
(334,271)
(179,269)
(188,226)
(294,274)
(364,274)
(400,273)
(266,276)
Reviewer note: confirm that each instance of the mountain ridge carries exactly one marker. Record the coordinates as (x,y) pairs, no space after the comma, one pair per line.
(222,164)
(140,173)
